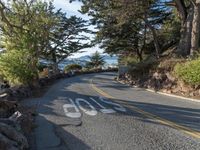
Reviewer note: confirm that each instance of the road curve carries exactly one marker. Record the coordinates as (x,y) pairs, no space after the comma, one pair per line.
(95,112)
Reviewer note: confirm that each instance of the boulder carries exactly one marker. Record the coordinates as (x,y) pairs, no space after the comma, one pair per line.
(7,108)
(12,134)
(170,77)
(7,144)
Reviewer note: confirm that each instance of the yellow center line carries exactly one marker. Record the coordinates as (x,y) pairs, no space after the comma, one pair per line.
(184,129)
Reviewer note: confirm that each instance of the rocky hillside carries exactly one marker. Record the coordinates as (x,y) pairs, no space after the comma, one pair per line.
(158,74)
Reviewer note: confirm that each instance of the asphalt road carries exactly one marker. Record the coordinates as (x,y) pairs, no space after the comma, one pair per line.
(95,112)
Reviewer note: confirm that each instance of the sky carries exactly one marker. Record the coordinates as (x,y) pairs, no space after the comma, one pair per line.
(72,9)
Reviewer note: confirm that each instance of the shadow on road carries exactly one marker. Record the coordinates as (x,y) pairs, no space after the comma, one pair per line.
(51,107)
(49,135)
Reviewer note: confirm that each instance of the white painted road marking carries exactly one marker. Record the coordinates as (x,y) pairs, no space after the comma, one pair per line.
(117,106)
(89,109)
(91,112)
(66,108)
(103,109)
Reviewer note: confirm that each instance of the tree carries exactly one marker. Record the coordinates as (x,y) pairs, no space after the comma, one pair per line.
(66,37)
(188,11)
(115,16)
(96,61)
(15,69)
(37,30)
(24,27)
(72,67)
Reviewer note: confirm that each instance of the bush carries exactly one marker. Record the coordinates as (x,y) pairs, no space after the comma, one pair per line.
(15,69)
(72,67)
(129,60)
(189,71)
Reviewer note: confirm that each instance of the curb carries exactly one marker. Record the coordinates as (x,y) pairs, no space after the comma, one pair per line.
(162,93)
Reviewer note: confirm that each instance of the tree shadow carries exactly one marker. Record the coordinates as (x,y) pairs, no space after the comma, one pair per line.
(51,112)
(49,135)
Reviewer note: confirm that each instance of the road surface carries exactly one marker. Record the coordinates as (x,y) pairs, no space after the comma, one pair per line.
(95,112)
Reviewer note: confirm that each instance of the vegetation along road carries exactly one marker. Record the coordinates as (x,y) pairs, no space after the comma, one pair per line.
(156,46)
(95,112)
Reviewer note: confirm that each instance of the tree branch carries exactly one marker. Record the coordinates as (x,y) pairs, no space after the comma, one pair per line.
(181,7)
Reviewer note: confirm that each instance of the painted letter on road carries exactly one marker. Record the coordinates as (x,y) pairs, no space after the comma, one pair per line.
(117,106)
(92,111)
(72,105)
(103,109)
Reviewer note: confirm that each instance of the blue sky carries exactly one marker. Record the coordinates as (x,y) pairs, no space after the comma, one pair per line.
(72,9)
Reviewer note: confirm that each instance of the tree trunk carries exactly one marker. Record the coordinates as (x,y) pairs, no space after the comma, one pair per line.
(55,64)
(137,49)
(155,40)
(195,29)
(139,54)
(55,68)
(186,29)
(34,83)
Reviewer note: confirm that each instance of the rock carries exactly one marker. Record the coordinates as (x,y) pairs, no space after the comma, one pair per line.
(15,116)
(176,90)
(181,84)
(7,108)
(21,92)
(169,91)
(185,89)
(25,91)
(157,85)
(164,90)
(12,134)
(156,75)
(167,84)
(196,87)
(170,77)
(152,83)
(191,94)
(7,144)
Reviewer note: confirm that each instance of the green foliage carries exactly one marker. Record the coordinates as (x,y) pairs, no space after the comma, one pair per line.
(34,30)
(72,67)
(171,28)
(124,27)
(66,37)
(24,35)
(189,71)
(96,61)
(129,60)
(15,69)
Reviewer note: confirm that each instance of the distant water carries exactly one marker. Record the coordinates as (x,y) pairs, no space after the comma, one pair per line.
(109,61)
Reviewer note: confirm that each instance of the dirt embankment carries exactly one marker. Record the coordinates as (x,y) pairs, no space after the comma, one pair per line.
(158,74)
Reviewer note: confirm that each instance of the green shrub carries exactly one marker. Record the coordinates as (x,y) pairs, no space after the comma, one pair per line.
(72,67)
(129,60)
(189,71)
(15,67)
